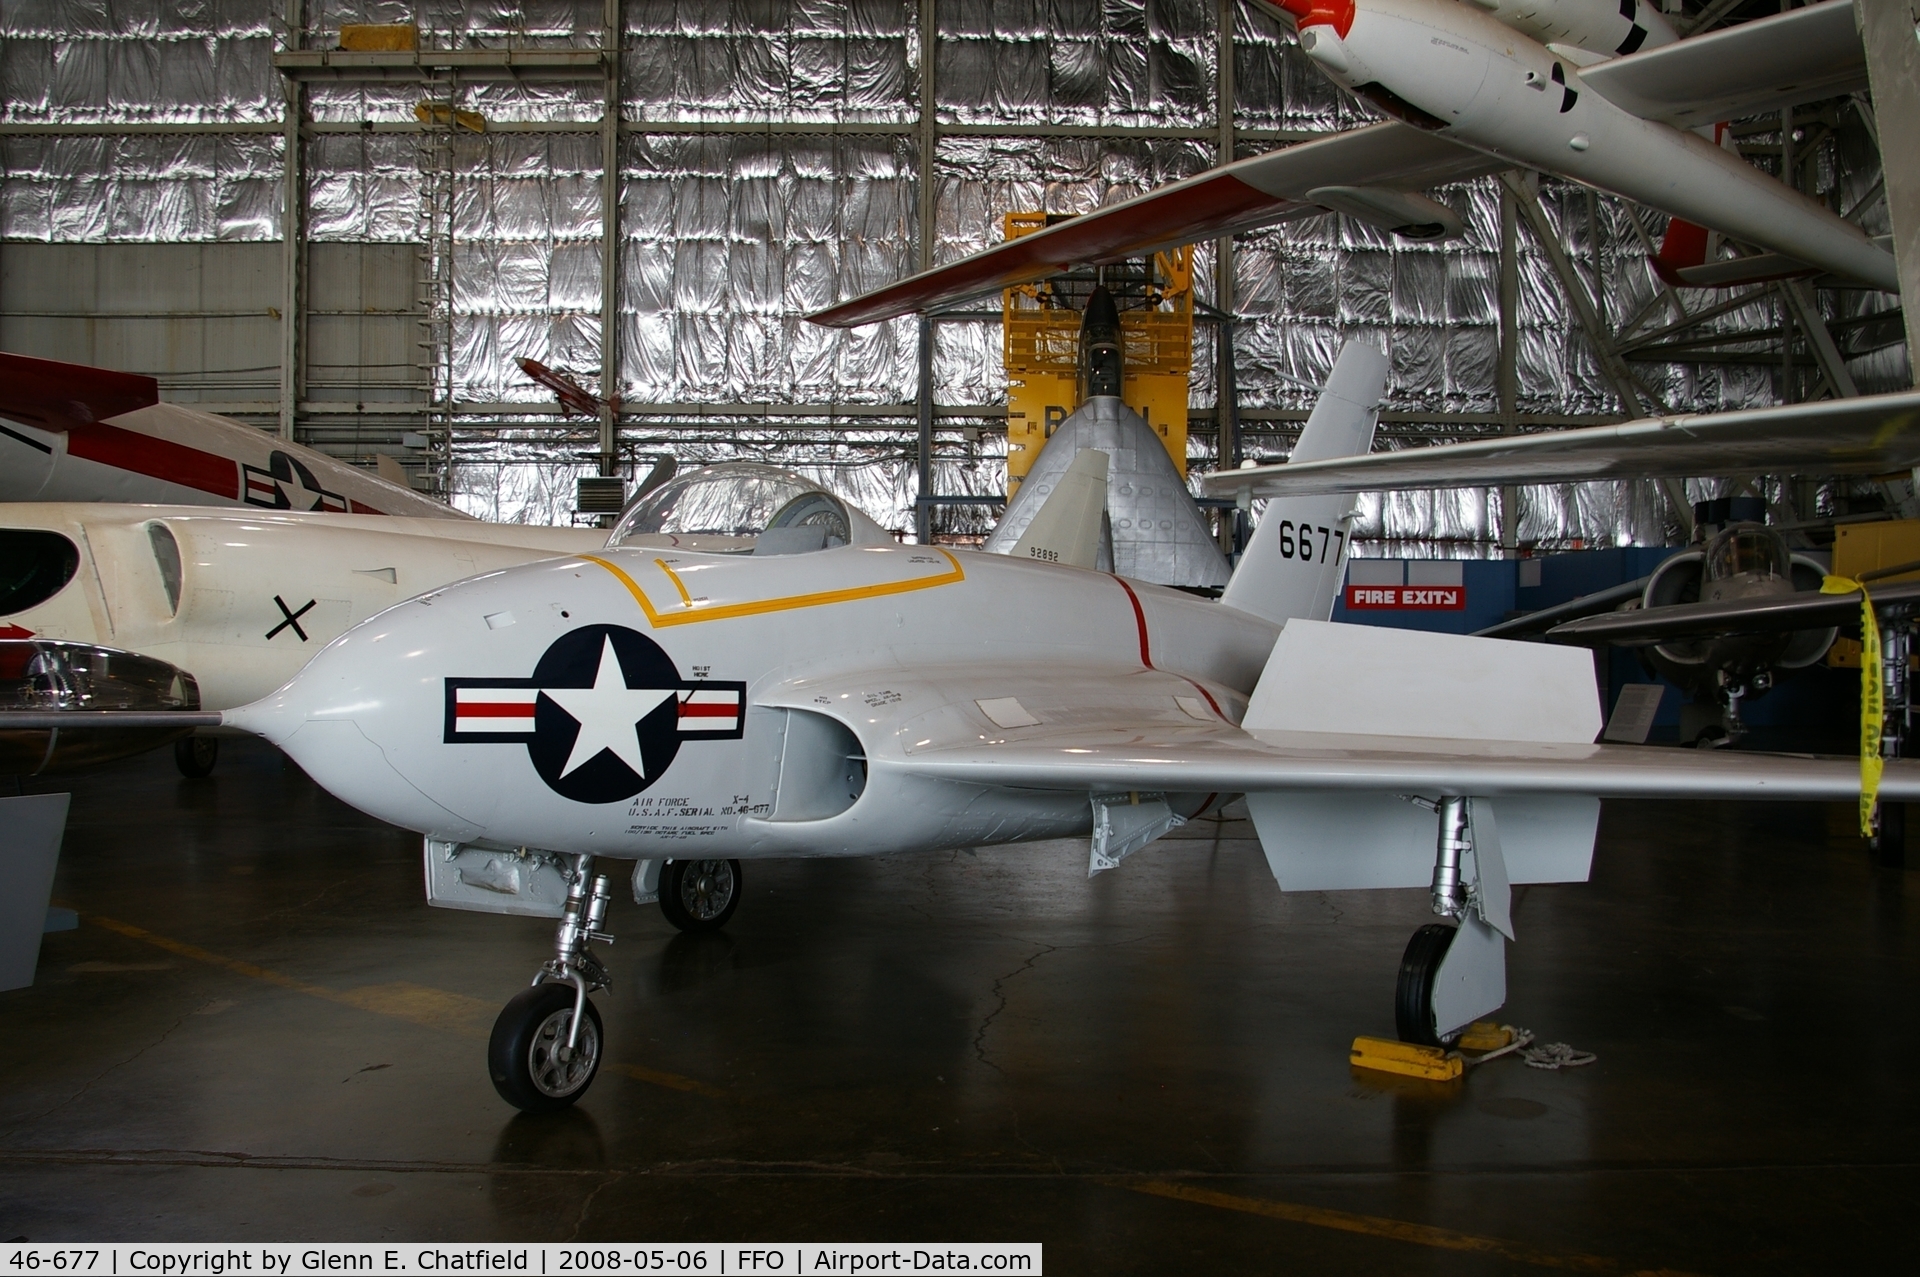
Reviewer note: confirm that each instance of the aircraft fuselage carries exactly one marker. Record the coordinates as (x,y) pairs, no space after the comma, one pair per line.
(771,695)
(1458,71)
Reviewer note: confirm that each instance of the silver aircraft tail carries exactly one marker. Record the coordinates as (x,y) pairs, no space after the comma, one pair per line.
(1159,534)
(1294,564)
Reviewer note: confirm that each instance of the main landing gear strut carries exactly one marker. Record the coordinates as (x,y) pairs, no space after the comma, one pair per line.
(548,1041)
(1450,976)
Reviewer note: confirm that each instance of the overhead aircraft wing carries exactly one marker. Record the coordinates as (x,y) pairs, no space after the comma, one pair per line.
(1873,434)
(1250,193)
(1798,56)
(56,395)
(1806,610)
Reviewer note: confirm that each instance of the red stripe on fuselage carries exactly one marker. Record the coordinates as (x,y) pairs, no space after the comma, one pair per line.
(156,458)
(693,709)
(493,709)
(1146,650)
(1140,620)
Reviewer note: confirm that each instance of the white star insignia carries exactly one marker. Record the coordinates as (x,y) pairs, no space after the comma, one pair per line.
(609,715)
(299,496)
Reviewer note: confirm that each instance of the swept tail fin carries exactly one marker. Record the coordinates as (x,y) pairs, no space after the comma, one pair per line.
(1294,563)
(1066,529)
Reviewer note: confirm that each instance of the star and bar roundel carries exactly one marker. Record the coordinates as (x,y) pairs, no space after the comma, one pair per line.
(603,716)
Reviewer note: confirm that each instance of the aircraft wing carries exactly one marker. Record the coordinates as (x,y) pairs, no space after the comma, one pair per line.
(1451,715)
(1873,434)
(1802,55)
(1806,610)
(1250,193)
(55,395)
(1132,755)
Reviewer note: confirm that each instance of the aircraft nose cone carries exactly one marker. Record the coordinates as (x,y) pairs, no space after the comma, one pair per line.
(352,719)
(1337,14)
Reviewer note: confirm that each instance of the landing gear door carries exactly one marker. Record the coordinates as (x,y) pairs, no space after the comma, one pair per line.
(530,883)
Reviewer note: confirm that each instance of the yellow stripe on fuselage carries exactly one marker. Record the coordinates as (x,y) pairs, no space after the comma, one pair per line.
(692,611)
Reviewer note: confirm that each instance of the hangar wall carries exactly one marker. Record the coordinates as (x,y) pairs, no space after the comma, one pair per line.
(769,161)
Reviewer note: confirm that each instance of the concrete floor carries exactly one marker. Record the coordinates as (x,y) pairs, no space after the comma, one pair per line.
(260,1031)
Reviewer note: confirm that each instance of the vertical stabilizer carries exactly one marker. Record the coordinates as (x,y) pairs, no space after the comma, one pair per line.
(1067,527)
(1294,563)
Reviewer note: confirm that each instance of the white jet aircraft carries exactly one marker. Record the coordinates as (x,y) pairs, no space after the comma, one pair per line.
(217,607)
(1597,91)
(69,432)
(640,705)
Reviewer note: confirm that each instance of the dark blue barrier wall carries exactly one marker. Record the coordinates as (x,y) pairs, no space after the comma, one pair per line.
(1812,709)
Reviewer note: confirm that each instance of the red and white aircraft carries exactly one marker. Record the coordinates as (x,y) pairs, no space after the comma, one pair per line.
(73,433)
(1597,91)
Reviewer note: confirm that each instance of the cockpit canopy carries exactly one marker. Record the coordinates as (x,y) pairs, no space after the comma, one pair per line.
(775,511)
(1747,549)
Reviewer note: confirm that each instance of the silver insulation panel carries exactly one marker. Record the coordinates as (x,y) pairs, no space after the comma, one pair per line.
(729,239)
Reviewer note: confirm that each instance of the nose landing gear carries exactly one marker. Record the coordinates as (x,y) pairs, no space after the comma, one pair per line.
(546,1045)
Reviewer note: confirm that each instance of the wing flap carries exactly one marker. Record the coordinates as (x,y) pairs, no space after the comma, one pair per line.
(1241,196)
(1873,434)
(1802,55)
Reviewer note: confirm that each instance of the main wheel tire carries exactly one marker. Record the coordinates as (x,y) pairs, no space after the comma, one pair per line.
(700,895)
(195,755)
(526,1054)
(1413,994)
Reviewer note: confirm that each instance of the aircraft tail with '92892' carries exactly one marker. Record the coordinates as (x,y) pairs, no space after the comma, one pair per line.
(555,726)
(1600,92)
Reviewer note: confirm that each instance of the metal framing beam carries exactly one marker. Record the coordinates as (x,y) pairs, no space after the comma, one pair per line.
(610,242)
(1888,28)
(1527,199)
(1226,378)
(1826,355)
(1619,376)
(293,232)
(1508,374)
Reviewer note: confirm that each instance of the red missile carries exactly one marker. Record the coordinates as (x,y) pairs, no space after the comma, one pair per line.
(573,397)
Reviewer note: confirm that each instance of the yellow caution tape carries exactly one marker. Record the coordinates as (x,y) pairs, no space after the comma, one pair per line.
(1873,705)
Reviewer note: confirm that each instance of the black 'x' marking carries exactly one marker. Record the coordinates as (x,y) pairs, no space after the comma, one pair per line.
(293,617)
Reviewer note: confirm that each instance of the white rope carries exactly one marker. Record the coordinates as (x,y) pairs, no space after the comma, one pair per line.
(1521,1037)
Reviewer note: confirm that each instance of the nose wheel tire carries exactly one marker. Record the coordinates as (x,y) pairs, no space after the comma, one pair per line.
(700,895)
(1413,994)
(527,1055)
(195,756)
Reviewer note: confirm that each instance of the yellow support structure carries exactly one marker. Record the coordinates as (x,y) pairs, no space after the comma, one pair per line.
(1042,352)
